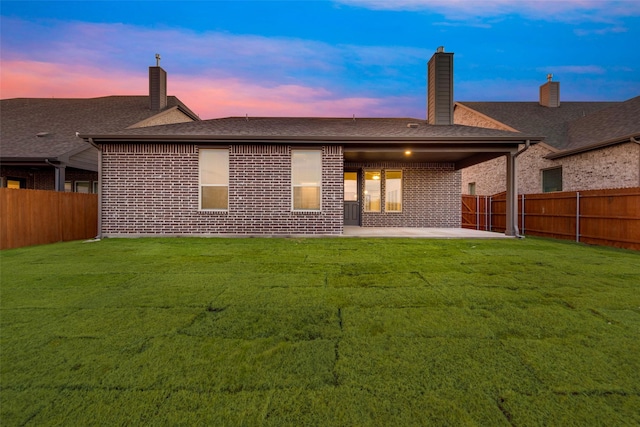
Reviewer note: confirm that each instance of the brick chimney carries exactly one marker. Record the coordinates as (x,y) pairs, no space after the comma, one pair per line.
(440,88)
(550,93)
(157,87)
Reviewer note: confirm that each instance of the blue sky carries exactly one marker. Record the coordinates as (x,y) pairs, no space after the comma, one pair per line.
(320,58)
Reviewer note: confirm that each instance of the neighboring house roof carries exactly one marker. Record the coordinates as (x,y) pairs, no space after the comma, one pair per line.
(45,128)
(531,117)
(363,139)
(614,124)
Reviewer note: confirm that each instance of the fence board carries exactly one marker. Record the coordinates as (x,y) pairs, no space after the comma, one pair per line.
(475,212)
(602,217)
(34,217)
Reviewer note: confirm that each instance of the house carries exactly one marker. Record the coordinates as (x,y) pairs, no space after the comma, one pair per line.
(288,175)
(587,146)
(39,146)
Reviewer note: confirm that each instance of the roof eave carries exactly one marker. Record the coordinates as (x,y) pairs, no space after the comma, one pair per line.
(306,139)
(6,160)
(598,145)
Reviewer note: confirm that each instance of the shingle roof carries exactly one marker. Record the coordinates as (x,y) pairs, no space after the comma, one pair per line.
(616,121)
(308,128)
(58,120)
(531,117)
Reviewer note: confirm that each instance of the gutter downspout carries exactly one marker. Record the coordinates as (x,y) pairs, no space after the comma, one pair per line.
(59,174)
(90,141)
(517,234)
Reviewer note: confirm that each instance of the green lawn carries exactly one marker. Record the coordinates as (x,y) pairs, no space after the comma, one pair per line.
(338,331)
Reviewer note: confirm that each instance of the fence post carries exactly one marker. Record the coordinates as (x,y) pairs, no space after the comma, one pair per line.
(486,214)
(490,212)
(477,212)
(577,216)
(522,214)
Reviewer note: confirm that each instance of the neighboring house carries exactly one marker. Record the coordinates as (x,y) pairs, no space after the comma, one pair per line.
(587,146)
(270,176)
(39,146)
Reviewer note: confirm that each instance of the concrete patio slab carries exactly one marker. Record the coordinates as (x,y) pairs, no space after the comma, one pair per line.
(423,233)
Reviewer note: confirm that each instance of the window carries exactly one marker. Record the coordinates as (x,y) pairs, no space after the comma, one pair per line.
(15,183)
(68,186)
(472,189)
(83,187)
(351,186)
(372,191)
(306,179)
(393,191)
(214,179)
(552,180)
(95,187)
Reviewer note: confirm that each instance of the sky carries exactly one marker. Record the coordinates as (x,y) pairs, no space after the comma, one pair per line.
(337,58)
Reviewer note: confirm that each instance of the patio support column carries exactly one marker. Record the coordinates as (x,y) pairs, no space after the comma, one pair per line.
(59,174)
(60,177)
(512,196)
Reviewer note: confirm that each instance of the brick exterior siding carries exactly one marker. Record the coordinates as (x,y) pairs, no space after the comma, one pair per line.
(152,189)
(616,166)
(430,195)
(464,116)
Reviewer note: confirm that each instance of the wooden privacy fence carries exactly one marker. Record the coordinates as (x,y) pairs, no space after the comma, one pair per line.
(600,217)
(33,217)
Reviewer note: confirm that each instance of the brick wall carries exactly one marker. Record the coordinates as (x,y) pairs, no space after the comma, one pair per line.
(616,166)
(491,177)
(153,189)
(464,116)
(430,195)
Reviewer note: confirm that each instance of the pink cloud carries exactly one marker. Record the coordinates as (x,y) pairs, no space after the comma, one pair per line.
(208,97)
(237,97)
(32,79)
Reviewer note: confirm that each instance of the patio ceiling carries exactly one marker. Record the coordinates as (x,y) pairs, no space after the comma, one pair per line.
(462,156)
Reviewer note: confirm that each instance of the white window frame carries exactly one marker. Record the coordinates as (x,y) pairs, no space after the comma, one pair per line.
(293,186)
(200,184)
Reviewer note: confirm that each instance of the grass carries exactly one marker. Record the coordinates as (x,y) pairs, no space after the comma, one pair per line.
(320,332)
